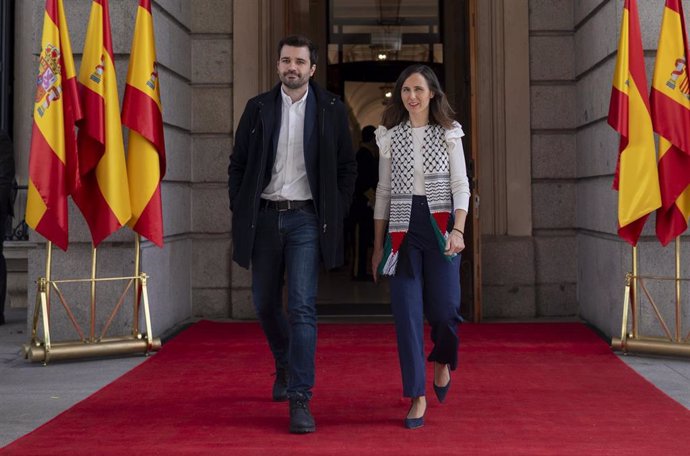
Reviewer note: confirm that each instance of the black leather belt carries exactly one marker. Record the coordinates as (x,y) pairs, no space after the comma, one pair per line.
(284,205)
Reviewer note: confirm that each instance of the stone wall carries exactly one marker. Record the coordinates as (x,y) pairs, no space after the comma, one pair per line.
(604,263)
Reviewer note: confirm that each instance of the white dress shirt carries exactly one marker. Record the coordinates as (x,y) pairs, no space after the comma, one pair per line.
(289,174)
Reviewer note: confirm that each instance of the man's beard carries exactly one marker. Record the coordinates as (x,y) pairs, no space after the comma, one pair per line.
(296,83)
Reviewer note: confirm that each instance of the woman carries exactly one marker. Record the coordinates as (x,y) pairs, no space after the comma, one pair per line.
(422,196)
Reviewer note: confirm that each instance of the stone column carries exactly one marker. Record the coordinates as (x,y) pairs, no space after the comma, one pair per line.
(552,74)
(212,117)
(503,141)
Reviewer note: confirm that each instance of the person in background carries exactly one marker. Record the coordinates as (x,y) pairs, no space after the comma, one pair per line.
(290,181)
(6,183)
(422,198)
(362,209)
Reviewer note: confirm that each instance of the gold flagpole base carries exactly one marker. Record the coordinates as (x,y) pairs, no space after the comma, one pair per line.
(650,346)
(77,349)
(630,341)
(92,345)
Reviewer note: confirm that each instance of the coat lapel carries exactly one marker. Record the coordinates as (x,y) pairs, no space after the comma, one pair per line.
(275,116)
(310,121)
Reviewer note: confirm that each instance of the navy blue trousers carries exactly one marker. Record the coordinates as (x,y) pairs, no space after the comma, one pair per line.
(426,284)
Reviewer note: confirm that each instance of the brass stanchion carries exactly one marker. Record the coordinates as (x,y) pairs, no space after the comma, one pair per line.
(42,308)
(619,344)
(45,351)
(43,286)
(672,344)
(147,313)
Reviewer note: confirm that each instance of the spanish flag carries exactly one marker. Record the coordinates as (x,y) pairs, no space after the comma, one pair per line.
(142,114)
(671,116)
(103,196)
(53,166)
(636,177)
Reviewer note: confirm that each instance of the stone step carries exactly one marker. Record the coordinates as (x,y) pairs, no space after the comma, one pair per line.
(358,309)
(16,255)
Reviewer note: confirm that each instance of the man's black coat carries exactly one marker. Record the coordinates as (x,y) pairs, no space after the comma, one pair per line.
(329,159)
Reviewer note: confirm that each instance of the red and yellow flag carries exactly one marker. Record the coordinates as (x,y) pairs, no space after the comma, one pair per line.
(636,177)
(53,166)
(142,114)
(103,196)
(670,100)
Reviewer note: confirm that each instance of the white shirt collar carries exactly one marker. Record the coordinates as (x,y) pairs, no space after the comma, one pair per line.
(288,100)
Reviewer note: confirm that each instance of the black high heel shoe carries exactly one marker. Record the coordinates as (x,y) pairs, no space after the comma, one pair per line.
(441,391)
(414,423)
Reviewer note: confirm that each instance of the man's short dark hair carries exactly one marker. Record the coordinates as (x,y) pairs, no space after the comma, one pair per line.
(300,41)
(368,133)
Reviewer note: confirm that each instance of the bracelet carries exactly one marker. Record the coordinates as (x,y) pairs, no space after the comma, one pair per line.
(459,231)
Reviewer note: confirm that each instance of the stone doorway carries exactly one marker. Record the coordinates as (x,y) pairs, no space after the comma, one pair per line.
(364,45)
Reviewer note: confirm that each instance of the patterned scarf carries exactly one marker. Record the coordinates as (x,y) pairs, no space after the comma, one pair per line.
(436,186)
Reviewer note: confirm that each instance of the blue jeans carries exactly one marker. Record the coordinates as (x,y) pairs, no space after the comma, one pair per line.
(288,242)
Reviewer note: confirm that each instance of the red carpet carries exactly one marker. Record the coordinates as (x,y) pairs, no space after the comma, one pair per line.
(521,389)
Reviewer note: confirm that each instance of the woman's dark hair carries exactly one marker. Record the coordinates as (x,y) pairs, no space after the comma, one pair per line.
(440,112)
(300,41)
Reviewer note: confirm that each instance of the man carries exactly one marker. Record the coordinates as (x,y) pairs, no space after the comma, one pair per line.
(291,177)
(362,210)
(6,181)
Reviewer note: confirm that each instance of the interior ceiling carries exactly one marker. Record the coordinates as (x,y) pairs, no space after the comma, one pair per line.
(384,10)
(361,24)
(383,29)
(365,99)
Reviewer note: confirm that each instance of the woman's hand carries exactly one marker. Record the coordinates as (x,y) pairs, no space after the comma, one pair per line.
(376,258)
(455,243)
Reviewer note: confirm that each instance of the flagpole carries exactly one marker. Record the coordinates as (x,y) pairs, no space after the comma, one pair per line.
(42,305)
(633,301)
(49,263)
(626,311)
(137,287)
(677,281)
(93,293)
(45,302)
